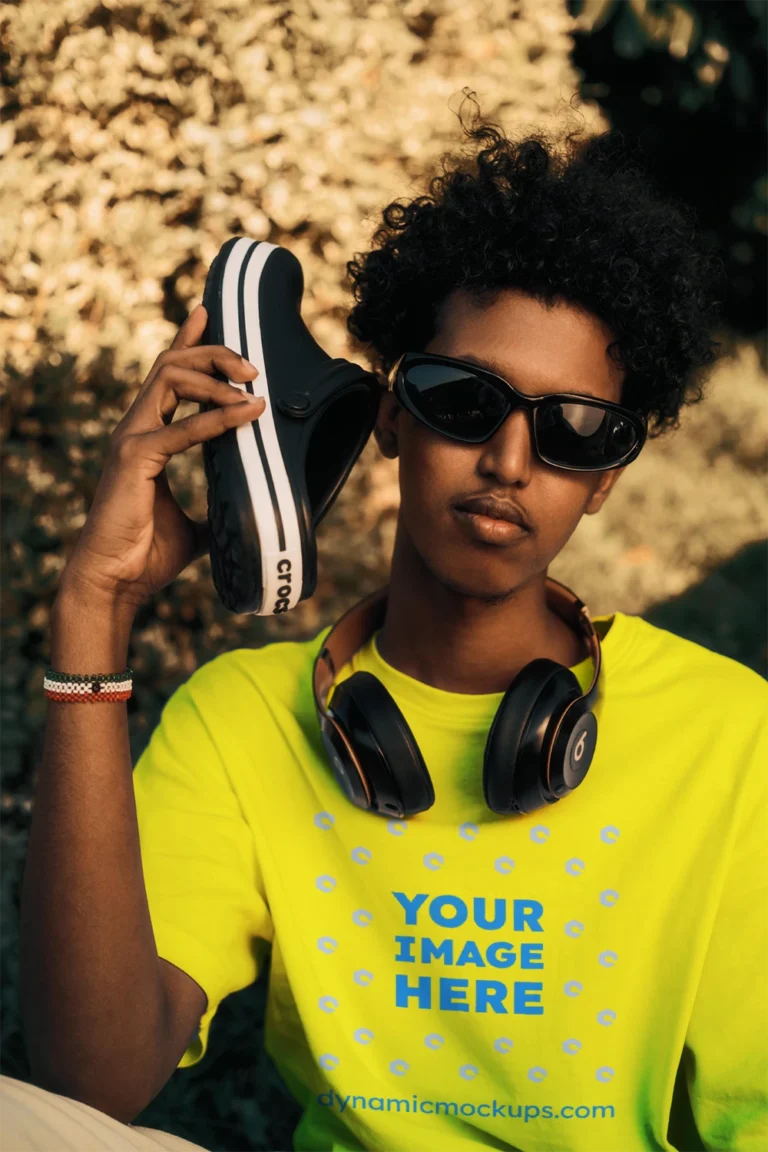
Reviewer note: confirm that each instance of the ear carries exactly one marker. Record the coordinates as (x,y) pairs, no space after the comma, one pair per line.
(600,495)
(385,428)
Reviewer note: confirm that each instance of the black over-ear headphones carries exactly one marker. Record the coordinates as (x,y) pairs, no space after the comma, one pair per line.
(539,747)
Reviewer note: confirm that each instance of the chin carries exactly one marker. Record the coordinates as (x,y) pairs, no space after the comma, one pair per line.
(473,582)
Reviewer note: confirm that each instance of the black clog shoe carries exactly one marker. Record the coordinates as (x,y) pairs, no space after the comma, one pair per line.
(271,481)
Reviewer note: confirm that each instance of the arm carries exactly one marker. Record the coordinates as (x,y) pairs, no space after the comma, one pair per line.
(88,954)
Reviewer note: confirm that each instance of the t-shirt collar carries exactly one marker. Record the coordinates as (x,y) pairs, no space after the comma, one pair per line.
(458,709)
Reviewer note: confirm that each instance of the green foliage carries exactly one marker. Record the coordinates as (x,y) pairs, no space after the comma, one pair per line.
(686,83)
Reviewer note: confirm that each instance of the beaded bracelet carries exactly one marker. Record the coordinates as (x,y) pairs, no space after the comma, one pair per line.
(74,688)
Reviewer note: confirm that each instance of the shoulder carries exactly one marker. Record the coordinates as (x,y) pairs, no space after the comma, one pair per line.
(695,671)
(280,671)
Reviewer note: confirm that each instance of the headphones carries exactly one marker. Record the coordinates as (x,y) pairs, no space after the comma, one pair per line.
(539,747)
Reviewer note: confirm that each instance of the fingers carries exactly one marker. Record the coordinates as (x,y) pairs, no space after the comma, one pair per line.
(158,399)
(192,329)
(175,382)
(162,443)
(188,335)
(215,357)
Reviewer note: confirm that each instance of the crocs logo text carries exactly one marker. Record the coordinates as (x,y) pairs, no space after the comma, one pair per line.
(284,591)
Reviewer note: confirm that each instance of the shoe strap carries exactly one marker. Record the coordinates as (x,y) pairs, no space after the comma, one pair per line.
(338,377)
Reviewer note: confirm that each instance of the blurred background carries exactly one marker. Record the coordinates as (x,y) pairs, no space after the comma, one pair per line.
(135,138)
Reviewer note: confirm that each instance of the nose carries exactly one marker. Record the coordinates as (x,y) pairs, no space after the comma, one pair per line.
(509,454)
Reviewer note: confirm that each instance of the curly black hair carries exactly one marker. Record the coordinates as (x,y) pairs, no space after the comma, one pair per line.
(579,221)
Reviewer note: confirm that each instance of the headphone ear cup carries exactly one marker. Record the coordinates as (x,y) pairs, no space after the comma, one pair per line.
(389,755)
(515,751)
(573,750)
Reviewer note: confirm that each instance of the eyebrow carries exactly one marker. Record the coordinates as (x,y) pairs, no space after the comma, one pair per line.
(498,370)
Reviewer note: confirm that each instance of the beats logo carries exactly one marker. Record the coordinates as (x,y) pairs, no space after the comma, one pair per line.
(284,591)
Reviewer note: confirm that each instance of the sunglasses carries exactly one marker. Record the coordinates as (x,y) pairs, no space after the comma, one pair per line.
(469,404)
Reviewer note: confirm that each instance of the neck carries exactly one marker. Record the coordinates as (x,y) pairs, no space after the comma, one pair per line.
(457,643)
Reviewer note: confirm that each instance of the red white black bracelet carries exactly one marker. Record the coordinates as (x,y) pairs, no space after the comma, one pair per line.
(74,688)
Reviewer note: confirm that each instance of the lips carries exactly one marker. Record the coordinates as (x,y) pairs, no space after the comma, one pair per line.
(495,509)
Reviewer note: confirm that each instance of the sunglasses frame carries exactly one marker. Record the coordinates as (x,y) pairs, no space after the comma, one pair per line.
(395,380)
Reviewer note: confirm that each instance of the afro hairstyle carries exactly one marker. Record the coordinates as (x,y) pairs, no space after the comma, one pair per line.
(577,220)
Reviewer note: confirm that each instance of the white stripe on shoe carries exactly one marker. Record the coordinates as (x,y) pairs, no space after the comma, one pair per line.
(282,567)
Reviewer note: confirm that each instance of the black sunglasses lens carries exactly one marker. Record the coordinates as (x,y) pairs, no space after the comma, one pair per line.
(459,404)
(583,435)
(454,401)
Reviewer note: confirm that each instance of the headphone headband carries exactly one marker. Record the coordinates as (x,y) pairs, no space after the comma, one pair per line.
(359,623)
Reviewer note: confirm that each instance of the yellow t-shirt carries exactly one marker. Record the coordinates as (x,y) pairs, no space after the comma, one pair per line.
(463,979)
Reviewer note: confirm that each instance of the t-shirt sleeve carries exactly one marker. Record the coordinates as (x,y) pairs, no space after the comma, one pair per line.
(728,1029)
(205,893)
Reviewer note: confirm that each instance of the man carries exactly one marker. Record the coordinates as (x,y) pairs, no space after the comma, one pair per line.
(583,973)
